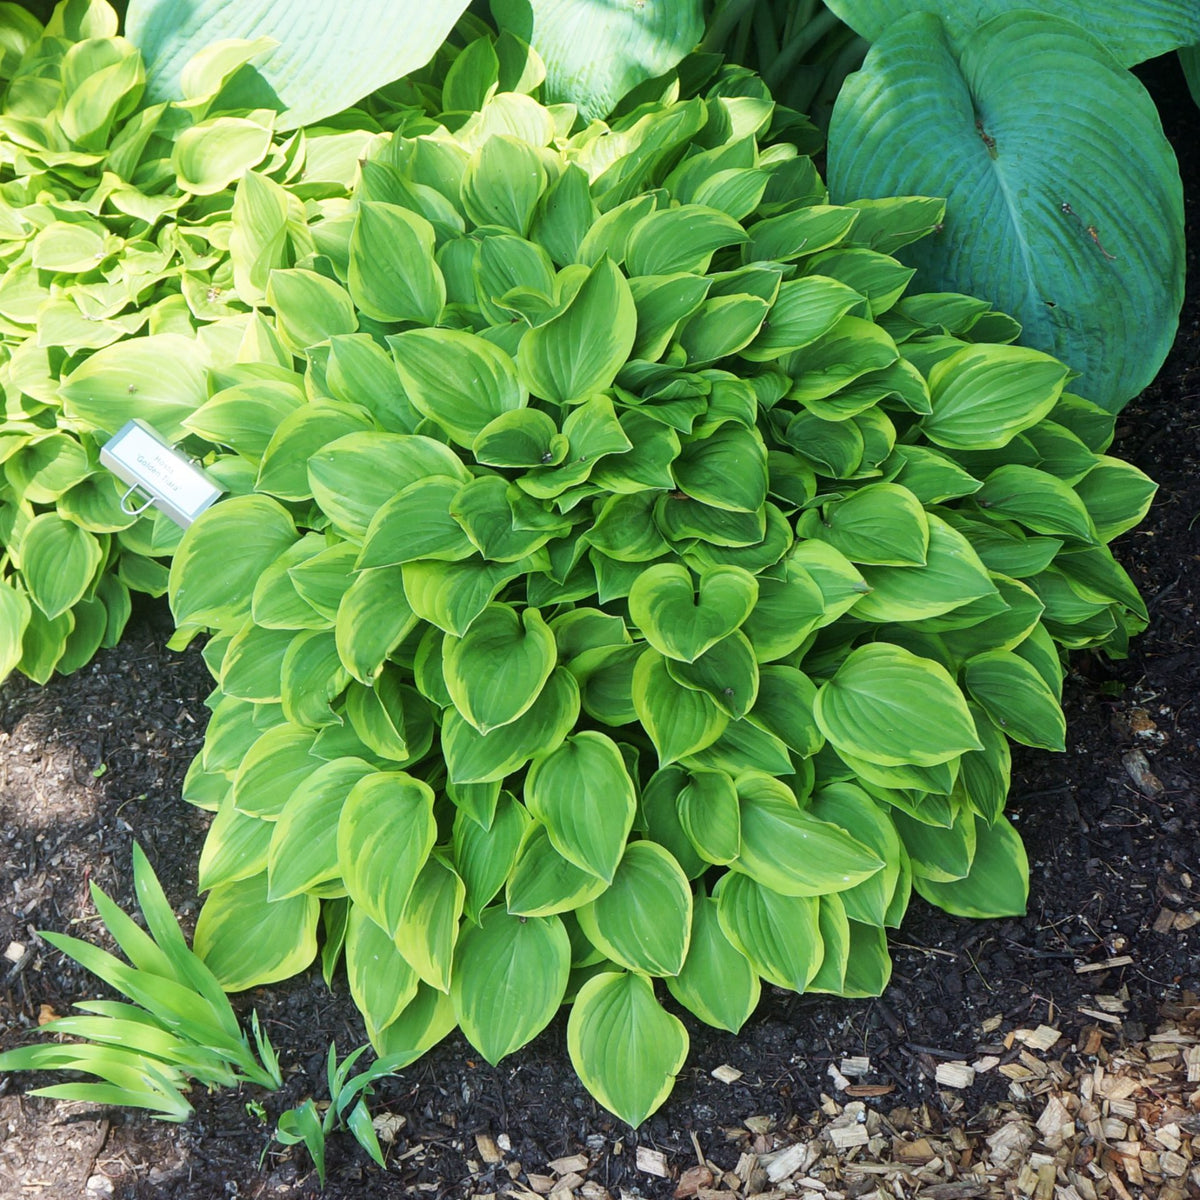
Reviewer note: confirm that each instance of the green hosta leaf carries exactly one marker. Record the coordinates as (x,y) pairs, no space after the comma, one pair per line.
(1046,218)
(159,379)
(680,239)
(1116,495)
(385,834)
(209,156)
(805,310)
(583,794)
(717,982)
(452,595)
(58,563)
(381,981)
(303,851)
(312,676)
(727,672)
(778,934)
(1017,698)
(984,395)
(580,350)
(789,609)
(372,619)
(790,851)
(938,852)
(428,927)
(624,1046)
(283,471)
(1141,31)
(784,708)
(315,65)
(725,467)
(881,523)
(524,437)
(503,182)
(308,308)
(593,58)
(951,576)
(457,379)
(891,707)
(680,721)
(484,858)
(849,807)
(997,884)
(247,940)
(501,521)
(1036,500)
(709,814)
(427,1018)
(416,523)
(14,620)
(682,621)
(495,671)
(278,763)
(985,774)
(235,847)
(473,757)
(510,974)
(644,920)
(392,273)
(253,664)
(543,882)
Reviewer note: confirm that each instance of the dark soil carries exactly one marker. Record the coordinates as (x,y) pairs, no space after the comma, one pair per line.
(91,762)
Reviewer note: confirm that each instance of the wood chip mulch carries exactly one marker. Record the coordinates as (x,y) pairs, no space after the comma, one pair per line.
(1084,1119)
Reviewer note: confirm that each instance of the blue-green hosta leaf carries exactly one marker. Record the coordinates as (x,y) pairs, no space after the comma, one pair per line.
(644,920)
(625,1047)
(892,707)
(1141,30)
(595,53)
(583,794)
(385,833)
(1064,204)
(509,977)
(247,940)
(320,63)
(717,982)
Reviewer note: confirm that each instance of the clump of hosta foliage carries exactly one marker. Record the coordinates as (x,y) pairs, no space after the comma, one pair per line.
(118,299)
(622,580)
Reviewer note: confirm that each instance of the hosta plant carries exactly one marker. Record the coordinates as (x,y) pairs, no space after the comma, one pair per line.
(626,586)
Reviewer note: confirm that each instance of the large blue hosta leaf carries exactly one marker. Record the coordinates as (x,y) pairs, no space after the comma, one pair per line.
(1064,204)
(597,50)
(1133,30)
(328,55)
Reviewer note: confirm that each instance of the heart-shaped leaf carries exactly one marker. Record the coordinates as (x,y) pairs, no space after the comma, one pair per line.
(682,621)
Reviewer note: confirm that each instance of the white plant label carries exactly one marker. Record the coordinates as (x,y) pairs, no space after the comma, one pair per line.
(168,479)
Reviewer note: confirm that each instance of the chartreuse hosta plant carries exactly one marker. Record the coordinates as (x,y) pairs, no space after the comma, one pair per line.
(118,298)
(626,587)
(179,1027)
